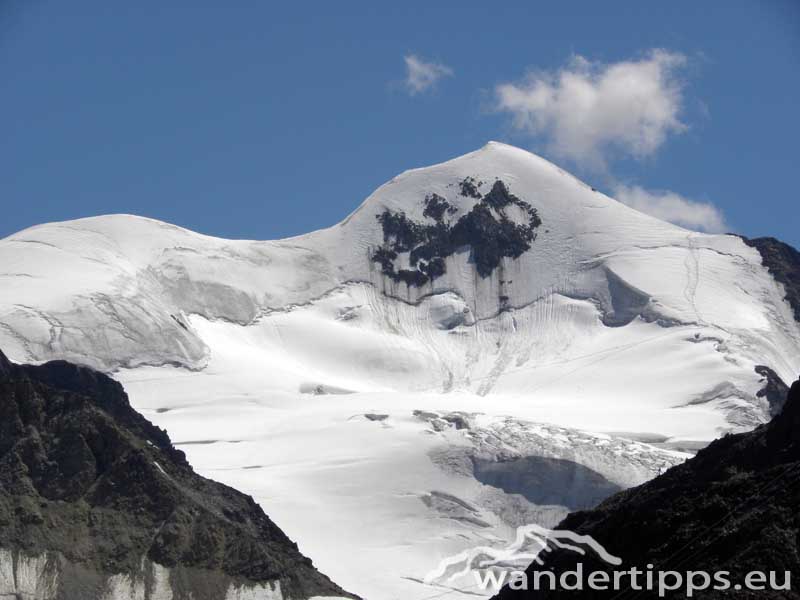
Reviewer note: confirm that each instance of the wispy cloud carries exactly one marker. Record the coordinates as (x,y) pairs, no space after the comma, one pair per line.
(592,112)
(673,207)
(421,75)
(589,109)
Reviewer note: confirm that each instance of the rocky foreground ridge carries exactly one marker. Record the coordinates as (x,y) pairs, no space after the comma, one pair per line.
(95,502)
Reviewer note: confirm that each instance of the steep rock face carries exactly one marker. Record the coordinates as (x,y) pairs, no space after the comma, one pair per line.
(96,502)
(733,507)
(783,262)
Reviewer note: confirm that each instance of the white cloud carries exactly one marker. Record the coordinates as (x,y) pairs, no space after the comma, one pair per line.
(588,109)
(591,112)
(673,207)
(422,76)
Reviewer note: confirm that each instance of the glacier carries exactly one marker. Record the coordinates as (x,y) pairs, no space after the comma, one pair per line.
(362,412)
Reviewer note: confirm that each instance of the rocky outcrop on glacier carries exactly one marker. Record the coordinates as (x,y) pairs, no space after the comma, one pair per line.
(487,232)
(96,503)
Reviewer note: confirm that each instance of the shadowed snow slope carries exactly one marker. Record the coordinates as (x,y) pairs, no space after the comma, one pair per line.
(494,287)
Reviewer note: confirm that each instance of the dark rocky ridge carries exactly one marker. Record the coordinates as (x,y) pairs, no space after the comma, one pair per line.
(774,390)
(87,480)
(486,230)
(783,262)
(733,507)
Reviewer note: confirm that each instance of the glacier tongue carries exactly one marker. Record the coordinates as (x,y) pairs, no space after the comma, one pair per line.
(262,358)
(379,487)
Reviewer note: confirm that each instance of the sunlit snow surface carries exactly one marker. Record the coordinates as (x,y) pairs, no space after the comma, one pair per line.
(621,340)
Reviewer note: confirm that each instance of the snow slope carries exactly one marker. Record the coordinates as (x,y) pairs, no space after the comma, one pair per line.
(262,358)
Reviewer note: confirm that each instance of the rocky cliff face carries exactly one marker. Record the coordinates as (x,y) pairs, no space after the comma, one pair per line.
(783,262)
(95,502)
(731,508)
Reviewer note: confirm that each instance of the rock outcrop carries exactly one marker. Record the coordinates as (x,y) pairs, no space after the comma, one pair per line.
(783,262)
(486,230)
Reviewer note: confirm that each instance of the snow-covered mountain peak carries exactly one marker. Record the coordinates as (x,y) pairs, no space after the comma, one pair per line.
(477,268)
(490,309)
(493,161)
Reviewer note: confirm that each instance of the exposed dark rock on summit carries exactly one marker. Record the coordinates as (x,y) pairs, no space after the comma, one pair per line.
(486,230)
(733,507)
(94,487)
(468,187)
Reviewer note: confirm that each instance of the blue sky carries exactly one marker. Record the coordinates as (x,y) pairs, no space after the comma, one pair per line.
(264,119)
